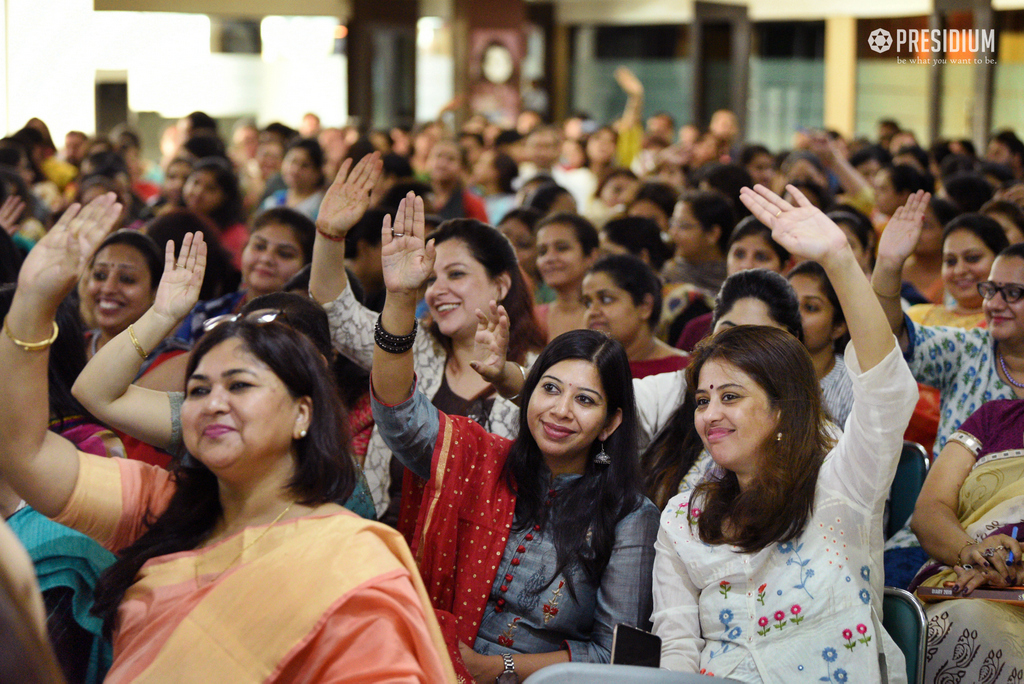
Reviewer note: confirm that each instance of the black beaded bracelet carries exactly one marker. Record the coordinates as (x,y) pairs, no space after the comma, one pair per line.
(392,344)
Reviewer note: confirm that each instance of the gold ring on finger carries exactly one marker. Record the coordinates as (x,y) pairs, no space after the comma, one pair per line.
(779,214)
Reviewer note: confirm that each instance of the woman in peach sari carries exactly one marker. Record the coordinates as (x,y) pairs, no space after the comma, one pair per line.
(236,566)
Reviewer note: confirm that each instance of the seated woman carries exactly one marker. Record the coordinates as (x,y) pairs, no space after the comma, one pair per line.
(970,243)
(825,336)
(750,246)
(303,175)
(119,286)
(676,461)
(552,543)
(967,516)
(280,245)
(566,249)
(475,264)
(154,417)
(788,529)
(623,299)
(212,190)
(249,516)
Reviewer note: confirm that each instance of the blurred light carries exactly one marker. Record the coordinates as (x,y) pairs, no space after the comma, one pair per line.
(297,38)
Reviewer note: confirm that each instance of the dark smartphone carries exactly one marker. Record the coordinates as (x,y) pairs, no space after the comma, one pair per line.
(632,646)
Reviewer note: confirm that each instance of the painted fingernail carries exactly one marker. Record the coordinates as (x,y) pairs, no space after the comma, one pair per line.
(1009,580)
(956,588)
(987,564)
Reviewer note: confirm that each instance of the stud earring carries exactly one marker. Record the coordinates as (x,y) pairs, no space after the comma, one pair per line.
(778,437)
(602,458)
(302,434)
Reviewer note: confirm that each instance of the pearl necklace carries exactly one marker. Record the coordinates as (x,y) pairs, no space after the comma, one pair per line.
(1002,364)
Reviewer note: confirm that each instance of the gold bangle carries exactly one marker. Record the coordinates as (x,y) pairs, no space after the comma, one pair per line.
(135,341)
(898,295)
(32,346)
(969,542)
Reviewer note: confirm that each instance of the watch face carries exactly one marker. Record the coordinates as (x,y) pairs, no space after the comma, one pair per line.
(507,678)
(497,64)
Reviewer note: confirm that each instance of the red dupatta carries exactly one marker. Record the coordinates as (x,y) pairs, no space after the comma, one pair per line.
(463,527)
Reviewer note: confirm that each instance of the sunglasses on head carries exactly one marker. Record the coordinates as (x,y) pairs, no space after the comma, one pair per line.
(259,316)
(1011,292)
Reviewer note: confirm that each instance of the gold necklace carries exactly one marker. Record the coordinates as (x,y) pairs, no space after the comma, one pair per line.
(247,546)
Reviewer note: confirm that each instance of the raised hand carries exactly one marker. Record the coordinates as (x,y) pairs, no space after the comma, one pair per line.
(803,230)
(491,350)
(903,230)
(10,212)
(179,286)
(628,81)
(347,199)
(406,258)
(58,260)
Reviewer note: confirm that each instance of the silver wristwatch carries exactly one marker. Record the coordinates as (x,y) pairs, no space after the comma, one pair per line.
(508,676)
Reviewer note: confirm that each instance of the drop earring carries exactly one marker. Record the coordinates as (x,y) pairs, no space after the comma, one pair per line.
(778,437)
(602,458)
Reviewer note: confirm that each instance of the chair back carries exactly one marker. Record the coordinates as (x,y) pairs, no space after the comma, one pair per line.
(904,619)
(593,673)
(910,474)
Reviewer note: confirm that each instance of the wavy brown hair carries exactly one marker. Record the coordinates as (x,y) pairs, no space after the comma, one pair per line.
(780,500)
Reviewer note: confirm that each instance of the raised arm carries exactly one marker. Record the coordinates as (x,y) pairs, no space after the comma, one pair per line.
(41,466)
(806,232)
(407,261)
(894,248)
(634,89)
(343,205)
(492,337)
(105,384)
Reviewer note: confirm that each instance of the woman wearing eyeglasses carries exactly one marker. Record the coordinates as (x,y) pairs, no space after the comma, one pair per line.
(968,367)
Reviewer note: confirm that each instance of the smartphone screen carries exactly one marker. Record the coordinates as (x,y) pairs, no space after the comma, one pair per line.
(632,646)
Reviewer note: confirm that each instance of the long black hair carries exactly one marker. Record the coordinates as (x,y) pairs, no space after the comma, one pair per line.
(586,512)
(324,471)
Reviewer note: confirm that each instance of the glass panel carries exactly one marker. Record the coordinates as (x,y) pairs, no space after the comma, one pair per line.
(886,90)
(786,94)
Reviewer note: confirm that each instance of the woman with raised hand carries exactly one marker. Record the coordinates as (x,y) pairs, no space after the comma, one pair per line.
(475,264)
(968,367)
(770,570)
(249,516)
(552,544)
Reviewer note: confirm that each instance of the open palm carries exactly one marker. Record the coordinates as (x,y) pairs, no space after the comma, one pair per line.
(58,260)
(902,232)
(179,286)
(347,199)
(803,230)
(406,258)
(491,342)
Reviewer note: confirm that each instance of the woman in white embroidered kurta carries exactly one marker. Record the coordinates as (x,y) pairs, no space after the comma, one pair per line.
(806,609)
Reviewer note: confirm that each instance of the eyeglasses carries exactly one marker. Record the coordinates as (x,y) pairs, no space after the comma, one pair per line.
(1012,292)
(259,316)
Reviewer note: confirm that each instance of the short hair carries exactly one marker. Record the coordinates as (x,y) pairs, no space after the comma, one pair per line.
(366,229)
(982,227)
(1015,251)
(302,227)
(509,136)
(586,233)
(751,152)
(528,216)
(751,226)
(141,243)
(201,121)
(917,152)
(635,277)
(969,191)
(778,505)
(767,286)
(1011,141)
(1001,172)
(636,234)
(495,253)
(871,153)
(944,210)
(396,165)
(906,178)
(1005,208)
(662,195)
(544,196)
(315,153)
(728,179)
(711,208)
(204,145)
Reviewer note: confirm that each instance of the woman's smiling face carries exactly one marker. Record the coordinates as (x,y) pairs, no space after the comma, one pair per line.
(458,287)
